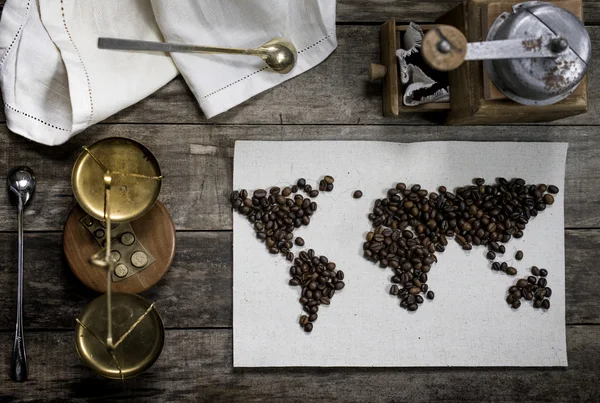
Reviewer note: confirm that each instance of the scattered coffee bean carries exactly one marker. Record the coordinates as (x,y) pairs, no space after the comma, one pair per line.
(490,255)
(516,304)
(511,271)
(519,255)
(328,179)
(308,327)
(552,189)
(430,295)
(357,194)
(535,271)
(299,241)
(546,304)
(301,183)
(543,272)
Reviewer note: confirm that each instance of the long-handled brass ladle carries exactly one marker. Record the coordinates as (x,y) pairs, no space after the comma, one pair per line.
(279,53)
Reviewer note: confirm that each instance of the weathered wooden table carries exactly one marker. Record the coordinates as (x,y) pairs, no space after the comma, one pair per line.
(332,101)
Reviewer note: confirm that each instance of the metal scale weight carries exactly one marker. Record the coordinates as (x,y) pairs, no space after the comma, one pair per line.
(507,62)
(120,241)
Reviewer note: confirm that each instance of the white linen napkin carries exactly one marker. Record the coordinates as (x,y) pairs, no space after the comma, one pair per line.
(55,82)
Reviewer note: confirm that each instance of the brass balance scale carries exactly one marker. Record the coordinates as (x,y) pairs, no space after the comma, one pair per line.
(118,240)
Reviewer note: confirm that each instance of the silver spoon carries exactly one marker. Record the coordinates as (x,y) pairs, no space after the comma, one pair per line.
(279,53)
(21,186)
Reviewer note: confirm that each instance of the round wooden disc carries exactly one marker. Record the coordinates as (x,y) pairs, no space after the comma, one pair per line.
(444,61)
(155,231)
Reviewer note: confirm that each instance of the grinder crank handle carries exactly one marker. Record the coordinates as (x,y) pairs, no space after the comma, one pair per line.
(445,48)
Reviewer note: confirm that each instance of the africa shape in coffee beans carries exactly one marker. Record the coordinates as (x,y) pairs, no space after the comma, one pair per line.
(411,225)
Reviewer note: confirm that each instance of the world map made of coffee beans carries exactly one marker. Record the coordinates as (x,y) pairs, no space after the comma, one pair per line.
(409,227)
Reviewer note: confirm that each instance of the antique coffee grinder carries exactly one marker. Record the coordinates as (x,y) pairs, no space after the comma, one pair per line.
(118,240)
(510,62)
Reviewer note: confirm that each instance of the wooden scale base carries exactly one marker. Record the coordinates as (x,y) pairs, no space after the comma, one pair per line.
(148,256)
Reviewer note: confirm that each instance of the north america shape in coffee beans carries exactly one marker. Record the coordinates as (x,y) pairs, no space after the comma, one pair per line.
(411,225)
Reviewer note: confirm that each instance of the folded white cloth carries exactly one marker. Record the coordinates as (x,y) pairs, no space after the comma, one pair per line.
(55,82)
(421,83)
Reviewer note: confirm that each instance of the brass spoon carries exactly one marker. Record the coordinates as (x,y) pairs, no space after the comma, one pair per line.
(279,53)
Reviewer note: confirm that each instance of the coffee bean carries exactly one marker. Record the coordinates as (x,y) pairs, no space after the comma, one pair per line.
(548,199)
(286,191)
(522,283)
(413,307)
(301,183)
(546,304)
(502,249)
(430,295)
(308,327)
(543,272)
(312,317)
(299,241)
(516,304)
(537,304)
(511,271)
(394,290)
(540,293)
(504,266)
(519,255)
(339,285)
(531,279)
(357,194)
(552,189)
(303,320)
(496,266)
(260,193)
(313,193)
(542,282)
(548,292)
(328,179)
(535,271)
(308,188)
(490,255)
(419,299)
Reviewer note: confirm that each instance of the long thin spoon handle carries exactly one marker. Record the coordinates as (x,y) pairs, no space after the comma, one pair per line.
(130,44)
(18,365)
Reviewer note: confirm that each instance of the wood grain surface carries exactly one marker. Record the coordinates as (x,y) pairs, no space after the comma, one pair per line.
(333,101)
(197,290)
(197,164)
(196,366)
(335,92)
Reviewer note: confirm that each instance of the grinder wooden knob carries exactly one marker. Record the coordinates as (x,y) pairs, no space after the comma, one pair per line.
(444,48)
(377,71)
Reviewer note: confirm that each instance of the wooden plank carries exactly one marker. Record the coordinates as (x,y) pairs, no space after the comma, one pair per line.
(197,164)
(334,92)
(197,291)
(349,11)
(196,365)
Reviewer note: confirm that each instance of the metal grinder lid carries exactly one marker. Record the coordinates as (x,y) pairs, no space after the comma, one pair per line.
(540,81)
